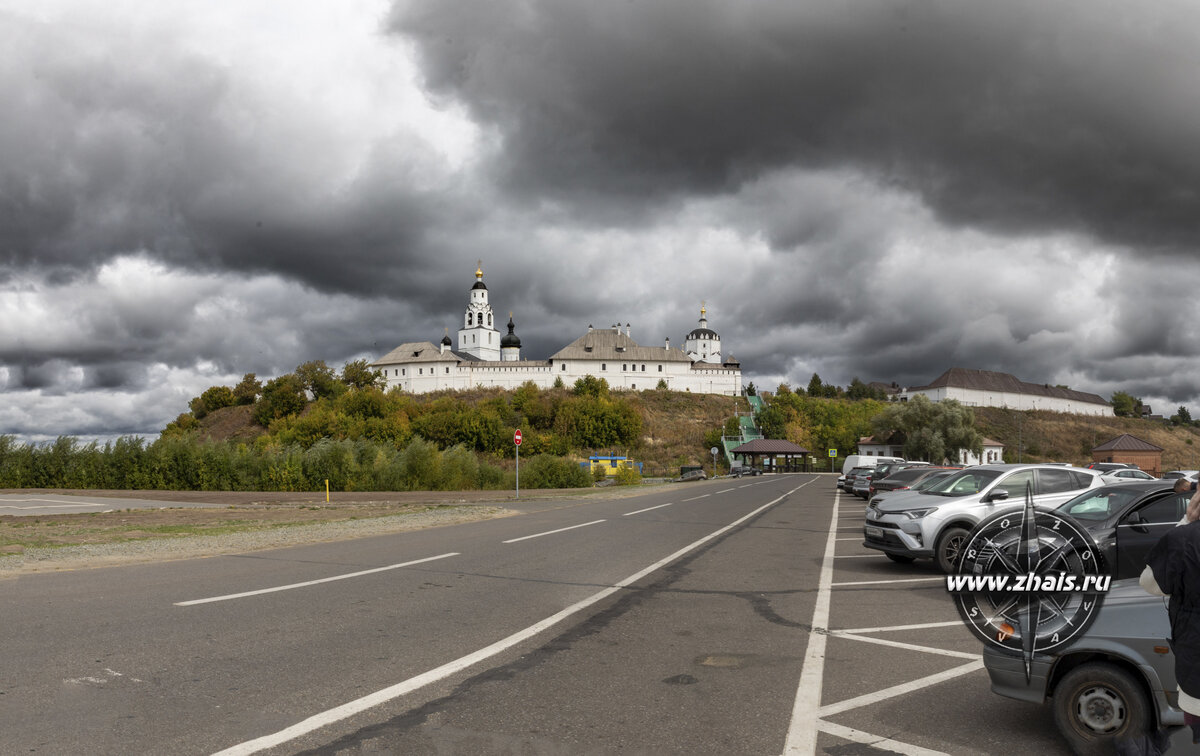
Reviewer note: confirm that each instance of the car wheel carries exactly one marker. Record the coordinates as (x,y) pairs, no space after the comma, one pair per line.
(901,559)
(949,548)
(1096,703)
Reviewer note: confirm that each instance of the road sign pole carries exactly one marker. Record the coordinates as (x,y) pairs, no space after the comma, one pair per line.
(517,444)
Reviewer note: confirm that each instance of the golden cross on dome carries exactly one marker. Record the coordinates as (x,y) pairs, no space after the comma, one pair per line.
(479,269)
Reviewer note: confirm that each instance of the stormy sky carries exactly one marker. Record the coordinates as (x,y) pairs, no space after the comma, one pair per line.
(192,191)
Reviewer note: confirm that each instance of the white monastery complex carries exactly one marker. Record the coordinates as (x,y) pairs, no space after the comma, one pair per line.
(484,357)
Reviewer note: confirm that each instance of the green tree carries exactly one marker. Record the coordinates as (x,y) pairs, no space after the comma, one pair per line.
(281,397)
(248,390)
(318,378)
(815,387)
(933,431)
(360,375)
(750,389)
(772,421)
(558,382)
(1125,405)
(1182,417)
(590,385)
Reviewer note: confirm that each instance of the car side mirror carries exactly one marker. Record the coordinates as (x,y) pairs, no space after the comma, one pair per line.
(1000,494)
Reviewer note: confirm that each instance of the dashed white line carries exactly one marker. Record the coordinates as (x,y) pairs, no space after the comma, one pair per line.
(727,490)
(313,582)
(746,485)
(440,673)
(705,496)
(647,509)
(552,532)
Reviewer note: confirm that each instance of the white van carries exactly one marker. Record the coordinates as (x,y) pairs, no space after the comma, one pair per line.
(866,460)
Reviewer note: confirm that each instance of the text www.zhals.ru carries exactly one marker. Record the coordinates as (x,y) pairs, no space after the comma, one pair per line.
(1029,583)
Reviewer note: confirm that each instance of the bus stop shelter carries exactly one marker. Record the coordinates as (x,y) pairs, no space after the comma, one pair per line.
(777,455)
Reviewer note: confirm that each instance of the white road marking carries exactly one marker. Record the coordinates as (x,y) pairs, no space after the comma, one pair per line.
(727,490)
(746,486)
(923,626)
(898,690)
(440,673)
(647,509)
(857,556)
(52,506)
(313,582)
(802,731)
(879,742)
(851,539)
(906,646)
(889,582)
(552,532)
(705,496)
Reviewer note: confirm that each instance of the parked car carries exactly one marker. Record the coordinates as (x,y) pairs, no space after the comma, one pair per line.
(905,478)
(851,476)
(692,475)
(862,485)
(1127,518)
(1110,466)
(884,469)
(1176,474)
(744,470)
(1115,680)
(1129,474)
(934,523)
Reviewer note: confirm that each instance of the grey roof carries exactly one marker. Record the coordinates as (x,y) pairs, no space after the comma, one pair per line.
(418,351)
(604,343)
(1126,442)
(698,332)
(986,380)
(768,446)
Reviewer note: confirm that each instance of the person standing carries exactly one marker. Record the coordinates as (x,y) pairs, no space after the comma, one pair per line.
(1173,569)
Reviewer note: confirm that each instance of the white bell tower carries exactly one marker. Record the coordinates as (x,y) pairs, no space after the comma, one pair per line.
(703,344)
(478,336)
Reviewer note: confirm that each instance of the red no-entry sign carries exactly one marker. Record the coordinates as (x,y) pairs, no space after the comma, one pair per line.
(517,437)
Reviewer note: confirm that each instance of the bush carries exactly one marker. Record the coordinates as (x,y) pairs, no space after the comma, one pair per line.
(545,471)
(628,476)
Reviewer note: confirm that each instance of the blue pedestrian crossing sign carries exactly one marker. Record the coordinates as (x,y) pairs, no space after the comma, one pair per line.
(833,452)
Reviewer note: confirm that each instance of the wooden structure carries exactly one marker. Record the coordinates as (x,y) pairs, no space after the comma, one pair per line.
(777,455)
(1131,450)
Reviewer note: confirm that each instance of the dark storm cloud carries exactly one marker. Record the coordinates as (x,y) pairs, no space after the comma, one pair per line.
(1017,117)
(125,144)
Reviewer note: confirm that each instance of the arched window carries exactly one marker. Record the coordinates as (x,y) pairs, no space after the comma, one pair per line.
(489,321)
(469,319)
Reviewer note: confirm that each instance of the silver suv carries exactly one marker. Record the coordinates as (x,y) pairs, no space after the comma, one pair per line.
(934,523)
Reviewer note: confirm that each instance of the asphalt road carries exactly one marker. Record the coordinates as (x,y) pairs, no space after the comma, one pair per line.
(674,622)
(28,504)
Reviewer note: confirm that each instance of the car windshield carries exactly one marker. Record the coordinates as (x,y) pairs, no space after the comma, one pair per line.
(925,483)
(1100,503)
(964,483)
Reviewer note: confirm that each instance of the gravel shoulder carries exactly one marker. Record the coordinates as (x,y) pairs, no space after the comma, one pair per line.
(238,522)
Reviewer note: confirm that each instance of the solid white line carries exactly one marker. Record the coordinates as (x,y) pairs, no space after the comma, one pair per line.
(705,496)
(907,646)
(802,731)
(879,742)
(440,673)
(899,690)
(857,556)
(889,582)
(647,509)
(552,532)
(51,506)
(851,539)
(312,582)
(923,626)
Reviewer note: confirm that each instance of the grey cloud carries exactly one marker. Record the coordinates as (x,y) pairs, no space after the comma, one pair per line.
(1017,117)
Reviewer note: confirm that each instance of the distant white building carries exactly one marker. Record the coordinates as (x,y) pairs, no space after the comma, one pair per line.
(993,451)
(485,358)
(983,388)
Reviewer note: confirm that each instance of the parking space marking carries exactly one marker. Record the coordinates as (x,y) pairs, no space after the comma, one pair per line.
(898,690)
(876,741)
(889,582)
(802,732)
(850,539)
(893,628)
(905,646)
(857,556)
(647,509)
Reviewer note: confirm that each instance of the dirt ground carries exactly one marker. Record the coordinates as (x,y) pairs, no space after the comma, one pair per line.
(253,511)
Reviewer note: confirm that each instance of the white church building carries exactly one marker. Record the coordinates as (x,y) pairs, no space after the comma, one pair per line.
(486,358)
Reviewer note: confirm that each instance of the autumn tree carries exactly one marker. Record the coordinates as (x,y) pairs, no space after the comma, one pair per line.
(933,431)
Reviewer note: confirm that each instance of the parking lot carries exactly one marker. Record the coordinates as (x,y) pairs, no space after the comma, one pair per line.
(902,673)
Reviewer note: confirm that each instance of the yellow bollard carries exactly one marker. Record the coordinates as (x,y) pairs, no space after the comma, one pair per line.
(327,490)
